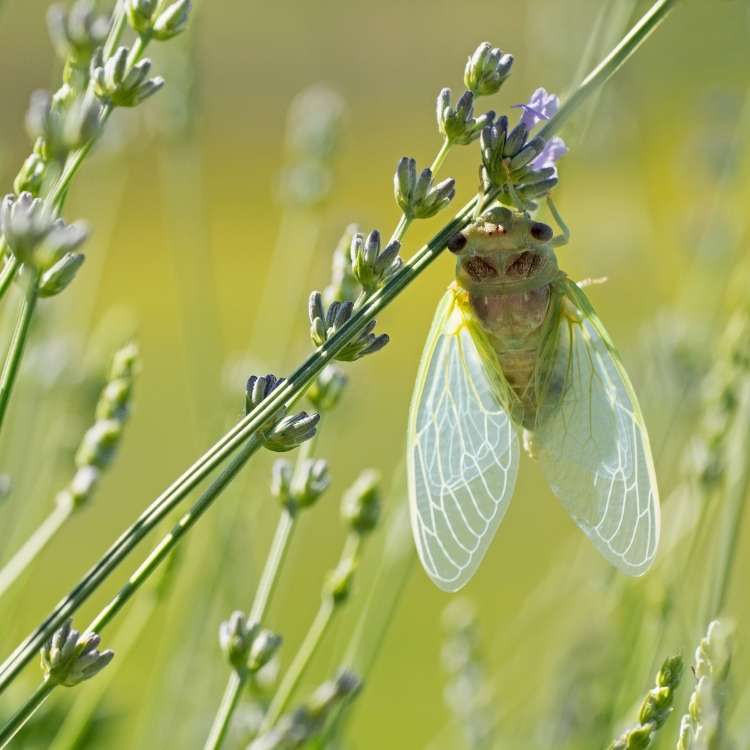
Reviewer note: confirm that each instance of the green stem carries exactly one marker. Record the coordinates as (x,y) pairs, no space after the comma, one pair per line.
(643,28)
(73,163)
(170,541)
(275,560)
(116,31)
(79,713)
(328,607)
(286,394)
(9,270)
(28,552)
(224,713)
(156,557)
(16,722)
(17,344)
(59,191)
(263,594)
(733,506)
(400,230)
(297,668)
(439,159)
(291,259)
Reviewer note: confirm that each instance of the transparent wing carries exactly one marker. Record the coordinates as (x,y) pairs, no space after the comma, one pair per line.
(462,453)
(593,445)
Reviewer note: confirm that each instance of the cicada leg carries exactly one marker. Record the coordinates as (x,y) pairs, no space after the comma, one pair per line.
(564,237)
(583,283)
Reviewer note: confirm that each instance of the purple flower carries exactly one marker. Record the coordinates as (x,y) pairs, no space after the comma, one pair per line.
(541,106)
(553,149)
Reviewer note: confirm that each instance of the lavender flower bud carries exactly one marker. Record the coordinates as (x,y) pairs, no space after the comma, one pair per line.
(370,266)
(59,276)
(45,124)
(281,480)
(31,175)
(172,20)
(264,647)
(258,388)
(515,140)
(235,638)
(361,503)
(305,723)
(655,709)
(118,84)
(338,585)
(125,363)
(309,482)
(458,124)
(345,685)
(486,70)
(280,433)
(69,658)
(343,285)
(140,15)
(291,431)
(326,390)
(76,33)
(99,444)
(538,189)
(527,154)
(34,235)
(82,122)
(324,325)
(80,489)
(416,196)
(300,489)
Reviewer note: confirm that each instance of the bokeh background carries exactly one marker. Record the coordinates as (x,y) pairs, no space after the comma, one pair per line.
(183,200)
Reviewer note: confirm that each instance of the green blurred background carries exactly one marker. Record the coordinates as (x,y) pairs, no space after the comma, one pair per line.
(182,198)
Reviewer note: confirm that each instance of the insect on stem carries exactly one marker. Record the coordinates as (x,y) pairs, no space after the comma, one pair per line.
(297,383)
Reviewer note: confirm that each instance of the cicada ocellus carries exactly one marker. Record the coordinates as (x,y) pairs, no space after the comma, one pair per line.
(516,352)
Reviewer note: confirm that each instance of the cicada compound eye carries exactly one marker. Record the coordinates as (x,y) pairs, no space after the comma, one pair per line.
(540,231)
(457,242)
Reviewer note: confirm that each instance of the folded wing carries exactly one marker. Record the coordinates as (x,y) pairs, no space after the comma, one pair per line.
(592,442)
(462,453)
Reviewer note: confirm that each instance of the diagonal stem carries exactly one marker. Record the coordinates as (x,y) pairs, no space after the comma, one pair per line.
(8,272)
(266,586)
(17,345)
(644,27)
(295,386)
(29,708)
(28,552)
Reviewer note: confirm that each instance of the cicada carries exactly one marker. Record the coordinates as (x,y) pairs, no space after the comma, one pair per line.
(517,356)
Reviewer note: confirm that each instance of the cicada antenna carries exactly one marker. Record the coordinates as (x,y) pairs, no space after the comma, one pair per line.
(564,237)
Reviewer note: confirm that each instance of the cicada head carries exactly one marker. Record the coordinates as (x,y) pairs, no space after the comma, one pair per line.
(500,229)
(504,247)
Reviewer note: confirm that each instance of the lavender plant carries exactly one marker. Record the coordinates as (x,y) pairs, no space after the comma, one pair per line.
(655,709)
(296,488)
(701,727)
(42,252)
(94,456)
(298,728)
(241,436)
(468,693)
(38,247)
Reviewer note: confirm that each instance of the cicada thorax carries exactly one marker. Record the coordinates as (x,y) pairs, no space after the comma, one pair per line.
(509,279)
